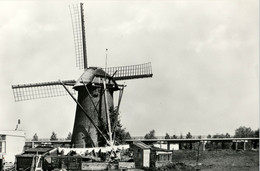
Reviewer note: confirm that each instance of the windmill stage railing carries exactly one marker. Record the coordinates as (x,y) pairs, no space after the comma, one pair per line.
(41,90)
(130,72)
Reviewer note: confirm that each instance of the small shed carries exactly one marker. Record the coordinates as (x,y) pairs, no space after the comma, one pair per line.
(141,154)
(160,157)
(32,158)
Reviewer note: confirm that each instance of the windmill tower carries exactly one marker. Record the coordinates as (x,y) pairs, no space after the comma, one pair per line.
(95,119)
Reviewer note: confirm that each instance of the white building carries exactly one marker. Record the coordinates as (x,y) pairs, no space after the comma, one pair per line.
(11,144)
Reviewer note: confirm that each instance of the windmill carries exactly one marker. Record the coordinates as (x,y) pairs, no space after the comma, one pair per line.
(95,118)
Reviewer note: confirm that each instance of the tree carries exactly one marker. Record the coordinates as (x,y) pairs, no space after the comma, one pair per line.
(244,132)
(257,133)
(209,136)
(181,136)
(219,136)
(174,137)
(150,135)
(69,136)
(127,135)
(167,136)
(35,137)
(227,135)
(120,133)
(188,136)
(54,136)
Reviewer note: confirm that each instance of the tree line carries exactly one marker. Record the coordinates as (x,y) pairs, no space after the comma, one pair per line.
(52,137)
(122,134)
(241,132)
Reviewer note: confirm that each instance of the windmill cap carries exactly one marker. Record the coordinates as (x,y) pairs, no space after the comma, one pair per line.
(91,75)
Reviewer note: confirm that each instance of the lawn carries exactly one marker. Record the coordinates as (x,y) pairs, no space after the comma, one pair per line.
(218,160)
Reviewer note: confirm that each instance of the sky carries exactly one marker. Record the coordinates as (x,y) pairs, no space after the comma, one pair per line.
(204,55)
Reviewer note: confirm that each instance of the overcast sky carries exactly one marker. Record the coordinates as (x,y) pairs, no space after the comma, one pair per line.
(204,54)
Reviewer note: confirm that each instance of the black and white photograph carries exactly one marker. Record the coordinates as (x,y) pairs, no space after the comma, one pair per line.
(140,85)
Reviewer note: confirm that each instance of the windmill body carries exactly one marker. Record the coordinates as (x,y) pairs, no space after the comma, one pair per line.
(95,119)
(92,97)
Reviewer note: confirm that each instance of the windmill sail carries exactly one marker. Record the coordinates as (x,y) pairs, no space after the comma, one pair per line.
(41,90)
(77,18)
(130,72)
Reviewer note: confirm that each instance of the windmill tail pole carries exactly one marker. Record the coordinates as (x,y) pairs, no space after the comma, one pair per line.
(120,98)
(117,111)
(85,112)
(107,114)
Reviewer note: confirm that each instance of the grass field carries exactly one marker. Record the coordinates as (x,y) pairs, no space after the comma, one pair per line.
(219,160)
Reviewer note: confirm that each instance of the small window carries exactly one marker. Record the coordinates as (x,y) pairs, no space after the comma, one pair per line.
(2,147)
